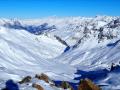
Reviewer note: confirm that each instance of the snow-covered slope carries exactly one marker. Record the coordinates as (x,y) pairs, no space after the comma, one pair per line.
(23,53)
(59,47)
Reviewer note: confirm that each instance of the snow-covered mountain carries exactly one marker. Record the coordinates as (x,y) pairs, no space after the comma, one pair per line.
(60,47)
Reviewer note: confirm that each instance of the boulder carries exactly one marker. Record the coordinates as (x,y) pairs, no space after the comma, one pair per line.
(37,86)
(26,79)
(87,84)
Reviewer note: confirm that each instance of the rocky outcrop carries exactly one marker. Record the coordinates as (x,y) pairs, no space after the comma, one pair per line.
(45,78)
(66,85)
(87,84)
(37,30)
(37,86)
(42,77)
(61,41)
(26,79)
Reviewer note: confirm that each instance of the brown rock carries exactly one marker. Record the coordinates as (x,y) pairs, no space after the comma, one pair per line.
(87,85)
(37,86)
(43,77)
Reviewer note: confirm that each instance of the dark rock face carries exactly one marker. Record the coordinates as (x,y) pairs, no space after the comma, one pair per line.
(60,40)
(30,28)
(114,23)
(26,79)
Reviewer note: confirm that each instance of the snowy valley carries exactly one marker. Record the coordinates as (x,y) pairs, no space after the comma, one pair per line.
(65,49)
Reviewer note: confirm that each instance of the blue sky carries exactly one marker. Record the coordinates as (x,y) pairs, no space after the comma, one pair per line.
(60,8)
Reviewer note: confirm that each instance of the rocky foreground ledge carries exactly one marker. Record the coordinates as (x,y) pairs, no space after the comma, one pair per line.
(85,84)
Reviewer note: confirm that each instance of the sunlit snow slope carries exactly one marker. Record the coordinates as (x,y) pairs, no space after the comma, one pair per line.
(22,54)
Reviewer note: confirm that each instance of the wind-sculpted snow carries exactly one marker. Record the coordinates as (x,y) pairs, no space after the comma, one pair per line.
(65,49)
